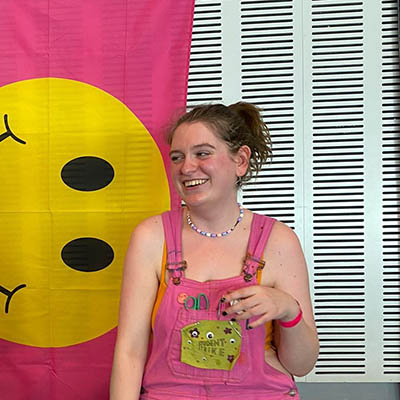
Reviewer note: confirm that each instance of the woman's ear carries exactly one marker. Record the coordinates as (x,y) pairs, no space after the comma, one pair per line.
(242,158)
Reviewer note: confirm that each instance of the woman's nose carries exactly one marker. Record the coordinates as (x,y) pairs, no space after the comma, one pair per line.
(189,165)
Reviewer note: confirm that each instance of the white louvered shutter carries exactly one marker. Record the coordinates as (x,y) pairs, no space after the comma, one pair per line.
(326,75)
(337,144)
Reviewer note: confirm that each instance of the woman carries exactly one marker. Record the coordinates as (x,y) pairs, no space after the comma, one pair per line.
(226,299)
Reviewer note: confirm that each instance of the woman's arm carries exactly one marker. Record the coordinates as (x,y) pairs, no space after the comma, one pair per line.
(138,293)
(297,346)
(284,288)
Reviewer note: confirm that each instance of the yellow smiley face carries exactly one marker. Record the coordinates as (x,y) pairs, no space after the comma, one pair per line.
(78,171)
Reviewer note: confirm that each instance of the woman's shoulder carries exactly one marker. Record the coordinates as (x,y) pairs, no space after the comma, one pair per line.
(283,231)
(149,229)
(146,243)
(283,254)
(282,238)
(279,231)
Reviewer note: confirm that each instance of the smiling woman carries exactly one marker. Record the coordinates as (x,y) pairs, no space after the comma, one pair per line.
(254,330)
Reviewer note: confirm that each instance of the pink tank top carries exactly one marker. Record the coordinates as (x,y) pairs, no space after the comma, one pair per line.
(196,352)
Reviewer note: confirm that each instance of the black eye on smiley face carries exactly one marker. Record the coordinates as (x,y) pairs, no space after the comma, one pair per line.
(87,254)
(87,173)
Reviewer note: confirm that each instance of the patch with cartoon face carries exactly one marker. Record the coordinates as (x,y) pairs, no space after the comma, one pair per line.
(211,344)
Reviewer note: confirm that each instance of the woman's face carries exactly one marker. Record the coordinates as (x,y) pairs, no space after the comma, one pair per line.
(202,166)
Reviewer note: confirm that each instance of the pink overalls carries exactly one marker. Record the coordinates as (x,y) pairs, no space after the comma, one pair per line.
(166,376)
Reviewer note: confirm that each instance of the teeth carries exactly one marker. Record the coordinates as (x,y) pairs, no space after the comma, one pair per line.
(194,182)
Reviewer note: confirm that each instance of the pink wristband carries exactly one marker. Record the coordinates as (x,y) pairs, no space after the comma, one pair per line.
(294,321)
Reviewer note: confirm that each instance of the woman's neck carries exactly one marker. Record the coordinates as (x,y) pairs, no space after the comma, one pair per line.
(215,219)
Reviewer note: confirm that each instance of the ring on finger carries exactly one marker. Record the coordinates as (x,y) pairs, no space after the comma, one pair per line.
(235,301)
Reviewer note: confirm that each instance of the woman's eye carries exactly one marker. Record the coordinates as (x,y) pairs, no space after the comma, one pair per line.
(175,158)
(203,154)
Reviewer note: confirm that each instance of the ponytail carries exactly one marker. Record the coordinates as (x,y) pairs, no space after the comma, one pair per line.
(256,136)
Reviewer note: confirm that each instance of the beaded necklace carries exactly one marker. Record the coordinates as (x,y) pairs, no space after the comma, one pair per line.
(214,235)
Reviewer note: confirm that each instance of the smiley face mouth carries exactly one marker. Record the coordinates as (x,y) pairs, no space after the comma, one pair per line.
(194,182)
(10,294)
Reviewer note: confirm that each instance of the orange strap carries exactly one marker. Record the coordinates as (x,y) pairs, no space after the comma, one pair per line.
(162,287)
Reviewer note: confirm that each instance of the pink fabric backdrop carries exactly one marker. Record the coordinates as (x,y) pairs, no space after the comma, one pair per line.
(136,50)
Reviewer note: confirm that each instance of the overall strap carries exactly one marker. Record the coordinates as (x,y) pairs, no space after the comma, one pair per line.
(261,227)
(172,223)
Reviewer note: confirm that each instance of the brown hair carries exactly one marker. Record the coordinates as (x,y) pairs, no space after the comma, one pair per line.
(237,125)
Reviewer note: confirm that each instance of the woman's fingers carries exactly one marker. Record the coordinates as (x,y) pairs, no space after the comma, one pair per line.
(252,301)
(240,294)
(243,308)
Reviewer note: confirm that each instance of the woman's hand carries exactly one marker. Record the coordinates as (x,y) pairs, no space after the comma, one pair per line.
(284,282)
(266,302)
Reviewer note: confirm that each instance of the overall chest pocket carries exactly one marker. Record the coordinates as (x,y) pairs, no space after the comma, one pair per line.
(209,349)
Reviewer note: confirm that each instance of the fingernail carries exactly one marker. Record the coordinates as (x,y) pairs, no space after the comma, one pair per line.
(233,319)
(224,313)
(223,299)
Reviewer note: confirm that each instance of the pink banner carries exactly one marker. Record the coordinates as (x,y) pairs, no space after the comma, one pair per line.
(73,69)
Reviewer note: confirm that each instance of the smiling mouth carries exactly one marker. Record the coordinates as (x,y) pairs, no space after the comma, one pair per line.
(195,182)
